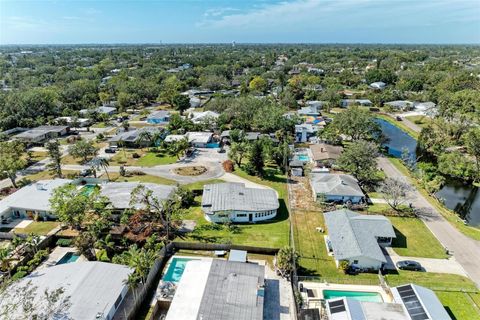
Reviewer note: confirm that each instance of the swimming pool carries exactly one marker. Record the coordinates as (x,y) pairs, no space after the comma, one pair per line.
(356,295)
(69,257)
(303,157)
(175,269)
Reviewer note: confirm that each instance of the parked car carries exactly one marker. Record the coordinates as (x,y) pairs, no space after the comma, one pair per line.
(398,118)
(221,150)
(190,152)
(110,150)
(409,265)
(353,270)
(85,173)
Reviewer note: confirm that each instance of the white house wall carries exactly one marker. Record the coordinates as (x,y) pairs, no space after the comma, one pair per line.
(240,216)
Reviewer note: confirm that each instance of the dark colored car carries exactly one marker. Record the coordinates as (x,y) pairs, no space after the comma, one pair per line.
(110,150)
(353,270)
(398,118)
(85,173)
(409,265)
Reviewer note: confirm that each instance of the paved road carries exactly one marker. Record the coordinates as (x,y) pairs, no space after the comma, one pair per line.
(465,250)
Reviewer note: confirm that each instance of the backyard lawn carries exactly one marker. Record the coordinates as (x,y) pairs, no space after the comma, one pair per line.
(273,233)
(421,121)
(39,228)
(458,305)
(415,239)
(143,178)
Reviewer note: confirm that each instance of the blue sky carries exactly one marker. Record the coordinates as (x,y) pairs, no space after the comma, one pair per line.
(198,21)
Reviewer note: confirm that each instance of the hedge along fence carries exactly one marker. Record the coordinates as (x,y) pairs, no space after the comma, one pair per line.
(145,294)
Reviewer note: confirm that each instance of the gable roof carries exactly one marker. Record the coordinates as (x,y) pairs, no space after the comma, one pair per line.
(354,235)
(235,196)
(161,114)
(332,184)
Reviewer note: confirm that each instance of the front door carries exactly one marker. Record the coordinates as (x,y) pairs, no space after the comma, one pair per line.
(250,217)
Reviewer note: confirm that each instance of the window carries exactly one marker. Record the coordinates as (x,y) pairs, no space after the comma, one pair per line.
(355,261)
(241,215)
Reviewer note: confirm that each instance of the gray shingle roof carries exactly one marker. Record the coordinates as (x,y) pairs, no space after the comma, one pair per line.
(232,292)
(161,114)
(353,235)
(335,184)
(235,196)
(119,193)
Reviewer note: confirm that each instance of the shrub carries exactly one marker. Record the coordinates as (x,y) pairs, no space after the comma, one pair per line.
(135,155)
(102,255)
(18,275)
(343,265)
(228,166)
(137,173)
(249,169)
(62,242)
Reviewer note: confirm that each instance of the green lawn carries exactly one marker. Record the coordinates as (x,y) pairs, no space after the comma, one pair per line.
(151,159)
(272,233)
(415,239)
(39,228)
(458,305)
(144,178)
(451,216)
(199,184)
(421,121)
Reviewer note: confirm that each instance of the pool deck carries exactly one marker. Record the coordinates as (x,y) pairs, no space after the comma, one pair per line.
(56,255)
(318,287)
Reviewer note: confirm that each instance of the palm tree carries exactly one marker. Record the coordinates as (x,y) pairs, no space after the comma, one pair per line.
(102,163)
(5,259)
(145,136)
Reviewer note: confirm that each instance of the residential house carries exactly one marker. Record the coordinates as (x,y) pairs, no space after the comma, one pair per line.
(219,289)
(95,290)
(174,137)
(315,103)
(296,167)
(325,155)
(401,105)
(357,238)
(310,110)
(119,193)
(234,202)
(157,117)
(305,131)
(428,108)
(201,139)
(31,201)
(333,187)
(137,138)
(378,85)
(410,302)
(42,134)
(108,110)
(198,117)
(74,122)
(352,102)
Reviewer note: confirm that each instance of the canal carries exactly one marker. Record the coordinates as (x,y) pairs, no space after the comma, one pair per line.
(461,198)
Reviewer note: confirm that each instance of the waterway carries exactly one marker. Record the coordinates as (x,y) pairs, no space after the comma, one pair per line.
(461,198)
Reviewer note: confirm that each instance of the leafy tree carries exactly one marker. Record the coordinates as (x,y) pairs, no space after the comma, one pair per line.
(82,149)
(101,163)
(169,89)
(11,160)
(55,155)
(286,260)
(356,124)
(178,148)
(237,152)
(472,142)
(256,158)
(258,84)
(395,192)
(181,102)
(358,158)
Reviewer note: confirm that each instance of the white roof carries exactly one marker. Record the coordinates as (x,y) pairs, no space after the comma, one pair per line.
(93,287)
(119,193)
(35,196)
(199,116)
(174,137)
(199,137)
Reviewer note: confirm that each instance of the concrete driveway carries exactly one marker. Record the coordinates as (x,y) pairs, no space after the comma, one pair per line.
(429,265)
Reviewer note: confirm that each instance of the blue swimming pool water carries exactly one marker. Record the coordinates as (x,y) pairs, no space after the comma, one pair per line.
(356,295)
(69,257)
(175,269)
(88,189)
(303,157)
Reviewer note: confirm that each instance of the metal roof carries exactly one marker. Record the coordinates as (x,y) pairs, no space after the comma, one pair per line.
(237,255)
(40,131)
(335,184)
(354,235)
(92,287)
(161,114)
(235,196)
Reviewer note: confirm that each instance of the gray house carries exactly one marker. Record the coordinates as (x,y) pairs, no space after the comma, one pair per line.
(357,238)
(234,202)
(42,134)
(331,187)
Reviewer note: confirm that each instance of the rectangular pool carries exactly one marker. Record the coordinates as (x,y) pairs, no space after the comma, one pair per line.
(69,257)
(175,269)
(303,157)
(356,295)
